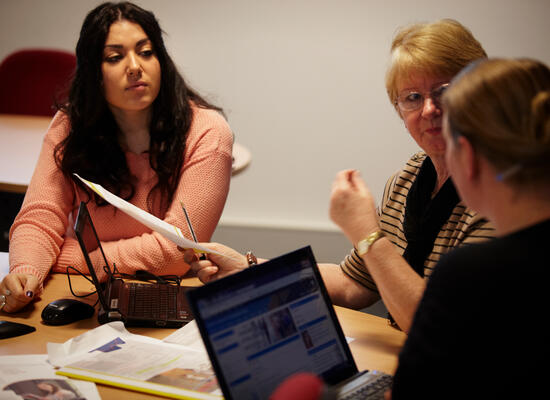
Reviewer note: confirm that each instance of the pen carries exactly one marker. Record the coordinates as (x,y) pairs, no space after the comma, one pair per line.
(188,222)
(201,256)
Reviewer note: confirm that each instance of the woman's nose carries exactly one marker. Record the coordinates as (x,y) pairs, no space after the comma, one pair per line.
(430,108)
(134,68)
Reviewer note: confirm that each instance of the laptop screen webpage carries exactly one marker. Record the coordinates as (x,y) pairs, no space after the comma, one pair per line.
(269,322)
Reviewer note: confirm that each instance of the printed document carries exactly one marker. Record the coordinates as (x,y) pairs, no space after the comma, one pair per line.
(167,230)
(111,355)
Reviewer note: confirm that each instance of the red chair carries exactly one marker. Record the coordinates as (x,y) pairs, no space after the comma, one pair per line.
(33,80)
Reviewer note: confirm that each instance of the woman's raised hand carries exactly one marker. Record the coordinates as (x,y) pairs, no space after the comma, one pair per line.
(352,206)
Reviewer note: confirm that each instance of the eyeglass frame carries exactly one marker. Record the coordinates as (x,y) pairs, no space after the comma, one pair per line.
(436,97)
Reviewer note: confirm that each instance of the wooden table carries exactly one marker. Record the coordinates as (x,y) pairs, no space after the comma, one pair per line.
(20,142)
(376,344)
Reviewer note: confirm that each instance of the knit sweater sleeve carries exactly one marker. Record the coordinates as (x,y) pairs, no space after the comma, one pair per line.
(203,188)
(37,233)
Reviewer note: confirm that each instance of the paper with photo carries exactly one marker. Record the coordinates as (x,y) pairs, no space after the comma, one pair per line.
(167,230)
(23,374)
(113,356)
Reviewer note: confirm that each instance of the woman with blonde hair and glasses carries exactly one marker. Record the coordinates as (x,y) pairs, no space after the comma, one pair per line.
(421,216)
(475,333)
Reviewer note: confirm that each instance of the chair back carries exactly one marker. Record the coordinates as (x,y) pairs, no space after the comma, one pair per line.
(34,80)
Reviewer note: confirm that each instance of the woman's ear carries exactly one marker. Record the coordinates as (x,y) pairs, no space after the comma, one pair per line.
(469,158)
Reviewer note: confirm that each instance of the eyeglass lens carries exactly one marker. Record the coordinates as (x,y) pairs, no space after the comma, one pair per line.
(414,100)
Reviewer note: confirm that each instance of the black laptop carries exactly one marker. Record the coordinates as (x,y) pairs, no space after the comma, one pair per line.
(273,320)
(134,303)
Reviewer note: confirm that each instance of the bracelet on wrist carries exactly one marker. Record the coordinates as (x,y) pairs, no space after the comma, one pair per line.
(364,245)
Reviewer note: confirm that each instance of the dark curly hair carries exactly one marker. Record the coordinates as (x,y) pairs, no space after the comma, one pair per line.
(91,148)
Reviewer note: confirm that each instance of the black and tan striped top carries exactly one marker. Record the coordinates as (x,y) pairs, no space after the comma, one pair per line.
(463,226)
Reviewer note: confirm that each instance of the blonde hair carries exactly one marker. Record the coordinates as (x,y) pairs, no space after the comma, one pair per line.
(502,106)
(439,48)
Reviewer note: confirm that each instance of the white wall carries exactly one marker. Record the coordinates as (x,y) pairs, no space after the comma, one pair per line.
(302,85)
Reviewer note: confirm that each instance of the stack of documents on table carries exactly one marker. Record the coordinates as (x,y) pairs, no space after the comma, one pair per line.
(176,367)
(30,376)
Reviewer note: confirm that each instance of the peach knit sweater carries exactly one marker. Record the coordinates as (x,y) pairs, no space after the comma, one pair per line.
(42,236)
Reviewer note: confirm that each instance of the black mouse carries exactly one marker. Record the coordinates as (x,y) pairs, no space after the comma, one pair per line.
(10,329)
(65,311)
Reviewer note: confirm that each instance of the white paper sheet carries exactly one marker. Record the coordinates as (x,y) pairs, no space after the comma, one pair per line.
(167,230)
(187,335)
(60,354)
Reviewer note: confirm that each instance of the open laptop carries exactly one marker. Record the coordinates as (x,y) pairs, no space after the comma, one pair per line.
(273,320)
(135,303)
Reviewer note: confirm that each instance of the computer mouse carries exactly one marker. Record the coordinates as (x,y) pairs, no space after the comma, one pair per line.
(11,329)
(65,311)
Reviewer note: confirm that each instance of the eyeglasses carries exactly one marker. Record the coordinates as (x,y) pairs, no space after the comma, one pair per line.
(411,101)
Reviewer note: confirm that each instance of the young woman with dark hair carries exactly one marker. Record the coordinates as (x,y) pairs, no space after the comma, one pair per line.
(133,125)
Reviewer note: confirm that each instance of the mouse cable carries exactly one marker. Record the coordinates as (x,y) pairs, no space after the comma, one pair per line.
(78,272)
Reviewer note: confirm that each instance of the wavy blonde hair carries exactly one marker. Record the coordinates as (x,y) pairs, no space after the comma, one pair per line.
(439,48)
(502,106)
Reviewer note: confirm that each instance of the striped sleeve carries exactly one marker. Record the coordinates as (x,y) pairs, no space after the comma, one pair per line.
(463,226)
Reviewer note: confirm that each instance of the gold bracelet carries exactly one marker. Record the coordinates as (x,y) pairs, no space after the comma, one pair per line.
(251,259)
(364,245)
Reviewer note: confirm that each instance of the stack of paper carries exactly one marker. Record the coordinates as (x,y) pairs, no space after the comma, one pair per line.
(111,355)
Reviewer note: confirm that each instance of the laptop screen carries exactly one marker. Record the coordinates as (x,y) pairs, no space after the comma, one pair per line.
(89,242)
(269,322)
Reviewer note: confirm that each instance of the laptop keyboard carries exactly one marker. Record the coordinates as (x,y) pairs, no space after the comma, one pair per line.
(153,301)
(372,389)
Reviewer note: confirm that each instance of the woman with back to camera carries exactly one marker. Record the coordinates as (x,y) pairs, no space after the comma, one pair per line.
(421,215)
(133,125)
(490,343)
